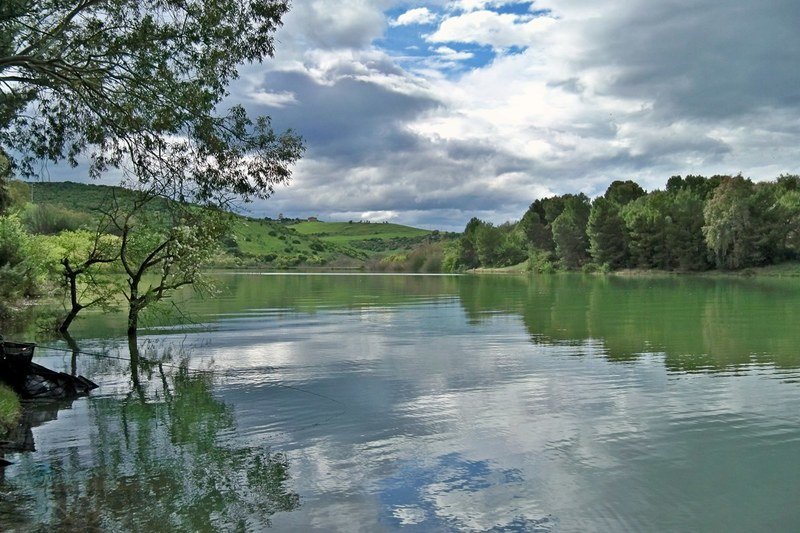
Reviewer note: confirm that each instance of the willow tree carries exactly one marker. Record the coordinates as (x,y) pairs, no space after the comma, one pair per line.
(731,225)
(136,85)
(119,81)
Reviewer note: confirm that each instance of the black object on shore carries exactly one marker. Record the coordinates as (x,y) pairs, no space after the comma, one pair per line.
(33,381)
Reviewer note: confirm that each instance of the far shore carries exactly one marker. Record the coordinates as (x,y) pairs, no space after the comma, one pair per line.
(788,269)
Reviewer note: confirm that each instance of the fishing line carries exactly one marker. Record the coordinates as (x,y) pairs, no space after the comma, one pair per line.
(179,367)
(120,358)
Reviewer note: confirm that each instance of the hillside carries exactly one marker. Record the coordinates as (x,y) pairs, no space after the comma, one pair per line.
(370,237)
(255,241)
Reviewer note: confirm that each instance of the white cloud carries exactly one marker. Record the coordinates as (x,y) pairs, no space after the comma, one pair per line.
(378,216)
(602,90)
(499,30)
(473,5)
(270,99)
(454,55)
(420,15)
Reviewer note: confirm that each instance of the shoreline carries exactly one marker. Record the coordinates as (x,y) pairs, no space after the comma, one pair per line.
(788,269)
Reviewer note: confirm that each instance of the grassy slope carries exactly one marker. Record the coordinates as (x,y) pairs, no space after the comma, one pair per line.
(374,239)
(345,232)
(257,240)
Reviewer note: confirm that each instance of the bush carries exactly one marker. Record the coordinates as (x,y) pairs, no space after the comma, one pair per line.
(21,263)
(540,261)
(48,219)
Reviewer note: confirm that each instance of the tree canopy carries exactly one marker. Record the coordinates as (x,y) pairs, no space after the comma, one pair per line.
(694,224)
(138,83)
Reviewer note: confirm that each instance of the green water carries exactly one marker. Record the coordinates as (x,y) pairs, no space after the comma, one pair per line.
(429,403)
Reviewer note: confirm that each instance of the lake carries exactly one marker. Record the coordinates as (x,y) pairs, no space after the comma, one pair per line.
(429,403)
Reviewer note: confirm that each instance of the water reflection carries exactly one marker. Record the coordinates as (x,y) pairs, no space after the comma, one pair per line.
(699,324)
(562,403)
(157,462)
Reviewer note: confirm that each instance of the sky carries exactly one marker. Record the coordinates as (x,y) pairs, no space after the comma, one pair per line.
(430,113)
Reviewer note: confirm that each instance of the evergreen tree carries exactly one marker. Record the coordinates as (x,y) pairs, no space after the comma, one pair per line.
(569,231)
(608,240)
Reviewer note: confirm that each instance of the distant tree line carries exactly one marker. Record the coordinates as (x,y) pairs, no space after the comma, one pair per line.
(696,223)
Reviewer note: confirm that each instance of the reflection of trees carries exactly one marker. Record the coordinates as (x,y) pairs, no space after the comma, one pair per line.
(698,323)
(157,463)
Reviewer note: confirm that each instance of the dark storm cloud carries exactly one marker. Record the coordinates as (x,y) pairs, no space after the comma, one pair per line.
(350,120)
(712,60)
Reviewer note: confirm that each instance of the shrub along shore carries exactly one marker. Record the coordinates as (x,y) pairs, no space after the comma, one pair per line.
(10,409)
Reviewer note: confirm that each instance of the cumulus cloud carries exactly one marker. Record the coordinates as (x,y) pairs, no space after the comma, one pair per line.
(473,5)
(573,96)
(448,53)
(420,15)
(499,30)
(273,99)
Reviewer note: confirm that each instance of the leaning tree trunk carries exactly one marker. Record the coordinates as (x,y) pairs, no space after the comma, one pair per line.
(133,321)
(133,350)
(72,280)
(134,306)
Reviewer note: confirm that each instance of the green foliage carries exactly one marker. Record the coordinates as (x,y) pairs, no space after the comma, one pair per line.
(685,238)
(486,245)
(693,225)
(569,231)
(648,223)
(731,225)
(700,186)
(19,194)
(51,219)
(22,263)
(465,253)
(118,79)
(10,409)
(540,262)
(427,258)
(608,239)
(84,265)
(5,176)
(622,193)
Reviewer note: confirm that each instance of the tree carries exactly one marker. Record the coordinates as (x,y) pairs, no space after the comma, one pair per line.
(788,213)
(569,231)
(5,174)
(136,83)
(488,239)
(729,229)
(623,192)
(22,265)
(168,240)
(648,222)
(700,186)
(81,256)
(536,228)
(685,238)
(466,256)
(608,240)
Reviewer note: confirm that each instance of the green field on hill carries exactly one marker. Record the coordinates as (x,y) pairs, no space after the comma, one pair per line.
(253,241)
(343,232)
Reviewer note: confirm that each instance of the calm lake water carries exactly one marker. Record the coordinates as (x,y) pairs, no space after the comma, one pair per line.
(430,403)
